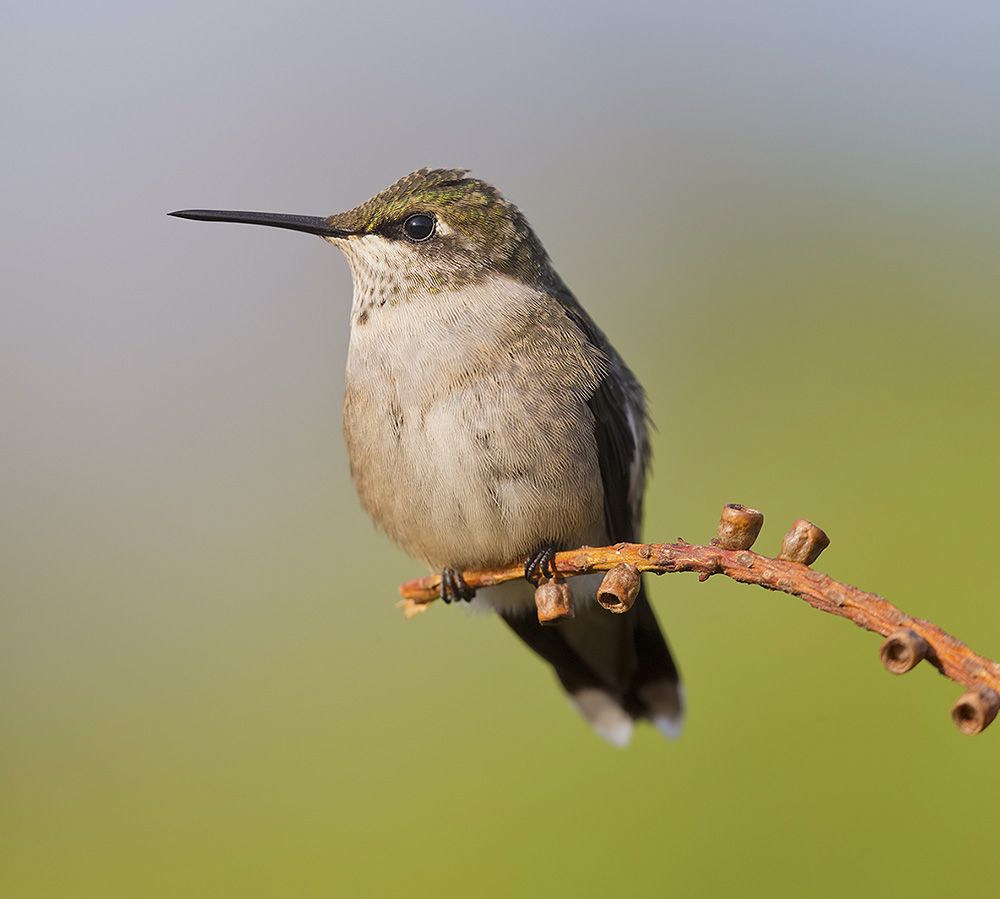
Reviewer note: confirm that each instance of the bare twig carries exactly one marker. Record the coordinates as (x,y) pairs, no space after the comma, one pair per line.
(619,588)
(803,543)
(910,639)
(975,710)
(903,650)
(738,527)
(553,601)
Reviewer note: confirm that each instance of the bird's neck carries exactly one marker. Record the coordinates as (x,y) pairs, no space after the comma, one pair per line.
(429,333)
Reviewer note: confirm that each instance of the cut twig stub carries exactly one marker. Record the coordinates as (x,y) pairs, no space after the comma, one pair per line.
(903,650)
(803,543)
(553,601)
(738,527)
(619,588)
(975,710)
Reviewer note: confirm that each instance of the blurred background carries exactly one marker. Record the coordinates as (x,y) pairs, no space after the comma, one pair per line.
(785,216)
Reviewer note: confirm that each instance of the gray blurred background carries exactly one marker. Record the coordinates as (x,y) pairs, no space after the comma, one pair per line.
(784,215)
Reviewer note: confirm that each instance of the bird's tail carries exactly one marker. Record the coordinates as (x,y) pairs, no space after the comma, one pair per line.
(617,669)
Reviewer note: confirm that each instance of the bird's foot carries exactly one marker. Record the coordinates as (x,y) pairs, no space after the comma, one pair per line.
(453,586)
(538,566)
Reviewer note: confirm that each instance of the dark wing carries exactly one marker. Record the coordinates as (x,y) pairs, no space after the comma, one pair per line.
(651,688)
(619,409)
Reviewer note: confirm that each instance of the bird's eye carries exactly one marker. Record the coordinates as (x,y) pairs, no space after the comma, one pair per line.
(419,226)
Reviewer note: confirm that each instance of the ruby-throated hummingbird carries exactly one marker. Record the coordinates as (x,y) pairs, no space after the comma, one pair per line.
(488,419)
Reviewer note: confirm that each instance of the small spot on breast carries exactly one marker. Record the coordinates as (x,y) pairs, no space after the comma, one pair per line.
(397,417)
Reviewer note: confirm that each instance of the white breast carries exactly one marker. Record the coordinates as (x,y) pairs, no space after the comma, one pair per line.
(467,423)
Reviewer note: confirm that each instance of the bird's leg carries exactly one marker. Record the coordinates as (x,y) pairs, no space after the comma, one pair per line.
(538,566)
(453,586)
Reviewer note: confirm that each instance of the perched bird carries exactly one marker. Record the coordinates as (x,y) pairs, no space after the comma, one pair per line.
(488,419)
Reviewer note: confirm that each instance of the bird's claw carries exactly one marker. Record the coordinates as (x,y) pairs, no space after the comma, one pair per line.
(453,586)
(538,566)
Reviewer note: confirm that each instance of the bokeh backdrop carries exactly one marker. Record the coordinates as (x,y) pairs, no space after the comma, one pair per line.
(786,217)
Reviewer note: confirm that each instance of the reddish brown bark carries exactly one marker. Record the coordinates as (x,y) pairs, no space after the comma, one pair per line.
(870,611)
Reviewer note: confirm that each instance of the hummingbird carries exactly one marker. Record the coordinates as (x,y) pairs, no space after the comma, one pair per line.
(488,419)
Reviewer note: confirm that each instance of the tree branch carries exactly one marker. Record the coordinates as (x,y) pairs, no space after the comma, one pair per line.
(908,640)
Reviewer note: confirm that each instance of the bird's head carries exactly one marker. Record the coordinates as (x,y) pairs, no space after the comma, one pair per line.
(435,230)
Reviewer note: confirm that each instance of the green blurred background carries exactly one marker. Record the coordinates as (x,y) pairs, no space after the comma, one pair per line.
(784,214)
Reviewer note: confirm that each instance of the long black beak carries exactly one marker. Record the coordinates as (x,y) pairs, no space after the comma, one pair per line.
(311,224)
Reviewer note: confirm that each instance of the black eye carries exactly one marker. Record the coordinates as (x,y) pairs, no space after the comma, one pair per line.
(419,227)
